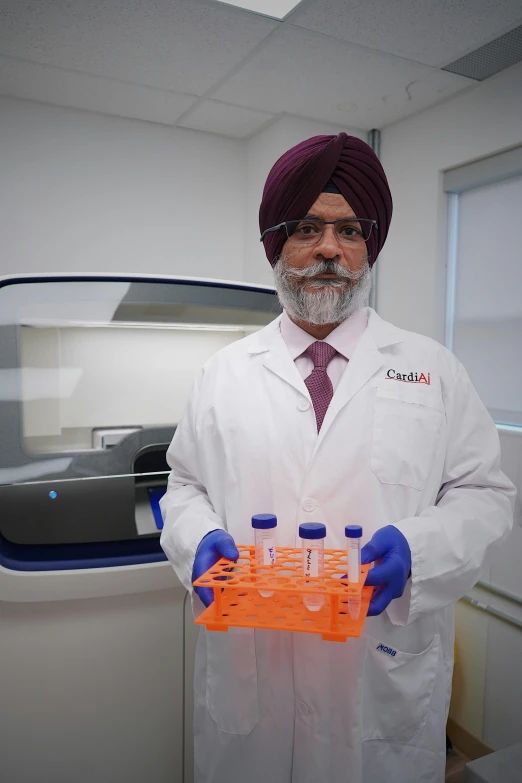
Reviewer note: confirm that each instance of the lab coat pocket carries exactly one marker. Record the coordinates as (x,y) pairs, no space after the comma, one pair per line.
(398,687)
(232,680)
(405,438)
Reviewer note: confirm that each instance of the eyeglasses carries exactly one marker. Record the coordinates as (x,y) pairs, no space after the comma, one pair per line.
(348,231)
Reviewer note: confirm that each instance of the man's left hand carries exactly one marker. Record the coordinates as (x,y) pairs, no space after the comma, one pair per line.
(390,551)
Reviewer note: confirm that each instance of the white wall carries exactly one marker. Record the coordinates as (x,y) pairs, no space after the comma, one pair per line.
(83,192)
(415,152)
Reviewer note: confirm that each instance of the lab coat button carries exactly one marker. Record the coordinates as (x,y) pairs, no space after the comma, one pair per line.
(303,404)
(303,709)
(309,504)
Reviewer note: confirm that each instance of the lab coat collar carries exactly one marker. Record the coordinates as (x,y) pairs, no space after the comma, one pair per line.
(277,357)
(262,340)
(382,333)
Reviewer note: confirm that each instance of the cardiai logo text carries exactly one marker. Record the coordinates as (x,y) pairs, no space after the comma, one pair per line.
(410,377)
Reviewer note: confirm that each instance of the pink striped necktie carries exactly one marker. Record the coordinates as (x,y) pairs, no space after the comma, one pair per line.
(318,383)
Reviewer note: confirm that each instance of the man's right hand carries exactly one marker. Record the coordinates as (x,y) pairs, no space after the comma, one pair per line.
(212,548)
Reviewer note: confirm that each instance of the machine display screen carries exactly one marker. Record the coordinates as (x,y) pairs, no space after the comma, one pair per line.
(155,495)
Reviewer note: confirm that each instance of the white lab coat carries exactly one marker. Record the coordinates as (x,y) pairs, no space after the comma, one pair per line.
(278,707)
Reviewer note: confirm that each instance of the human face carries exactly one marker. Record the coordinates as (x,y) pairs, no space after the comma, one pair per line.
(323,284)
(329,206)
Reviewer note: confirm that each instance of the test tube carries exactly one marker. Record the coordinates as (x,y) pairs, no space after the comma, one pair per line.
(264,534)
(312,536)
(353,535)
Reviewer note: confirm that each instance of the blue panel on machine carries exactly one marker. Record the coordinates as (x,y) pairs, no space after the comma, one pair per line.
(155,495)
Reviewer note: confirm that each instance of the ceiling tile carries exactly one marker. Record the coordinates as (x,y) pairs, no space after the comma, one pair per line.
(81,91)
(228,120)
(433,32)
(177,45)
(308,74)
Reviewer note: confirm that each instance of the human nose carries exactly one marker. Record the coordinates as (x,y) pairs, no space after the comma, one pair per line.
(328,245)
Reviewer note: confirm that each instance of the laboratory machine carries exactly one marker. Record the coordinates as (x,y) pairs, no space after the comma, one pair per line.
(97,636)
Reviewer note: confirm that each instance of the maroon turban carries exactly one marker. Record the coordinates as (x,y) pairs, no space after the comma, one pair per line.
(301,174)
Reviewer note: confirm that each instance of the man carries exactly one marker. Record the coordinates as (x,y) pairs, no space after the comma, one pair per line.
(331,415)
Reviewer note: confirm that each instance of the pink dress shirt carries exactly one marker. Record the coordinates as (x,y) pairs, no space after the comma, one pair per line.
(344,339)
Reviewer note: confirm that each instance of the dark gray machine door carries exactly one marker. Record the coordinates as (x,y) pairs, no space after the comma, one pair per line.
(76,511)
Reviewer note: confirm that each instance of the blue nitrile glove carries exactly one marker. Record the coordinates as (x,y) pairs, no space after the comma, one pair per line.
(391,553)
(213,547)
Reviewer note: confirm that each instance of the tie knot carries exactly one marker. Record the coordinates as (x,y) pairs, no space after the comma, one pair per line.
(321,354)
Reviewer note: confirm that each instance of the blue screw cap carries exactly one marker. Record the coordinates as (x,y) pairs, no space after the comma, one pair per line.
(312,530)
(264,521)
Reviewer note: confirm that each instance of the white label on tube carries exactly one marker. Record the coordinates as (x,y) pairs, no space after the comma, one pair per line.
(269,553)
(353,560)
(311,564)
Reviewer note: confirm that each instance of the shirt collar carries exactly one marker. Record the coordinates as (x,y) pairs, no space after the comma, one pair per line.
(344,337)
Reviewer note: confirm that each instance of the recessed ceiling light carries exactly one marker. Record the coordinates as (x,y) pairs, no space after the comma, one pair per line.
(277,9)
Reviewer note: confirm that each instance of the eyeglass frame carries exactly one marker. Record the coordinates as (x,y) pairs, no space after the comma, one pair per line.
(374,224)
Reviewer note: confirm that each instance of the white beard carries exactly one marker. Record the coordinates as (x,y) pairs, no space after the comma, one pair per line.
(331,301)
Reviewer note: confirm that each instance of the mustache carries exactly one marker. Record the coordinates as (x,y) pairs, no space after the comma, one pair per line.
(321,301)
(323,268)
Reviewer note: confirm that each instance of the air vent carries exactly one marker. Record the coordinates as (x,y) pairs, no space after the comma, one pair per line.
(490,59)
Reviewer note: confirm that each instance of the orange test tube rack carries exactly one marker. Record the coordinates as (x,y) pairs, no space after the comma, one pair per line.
(237,602)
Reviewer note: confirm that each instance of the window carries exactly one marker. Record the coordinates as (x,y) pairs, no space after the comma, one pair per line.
(484,295)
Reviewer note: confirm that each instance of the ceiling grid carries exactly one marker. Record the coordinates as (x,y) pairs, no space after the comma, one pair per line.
(206,65)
